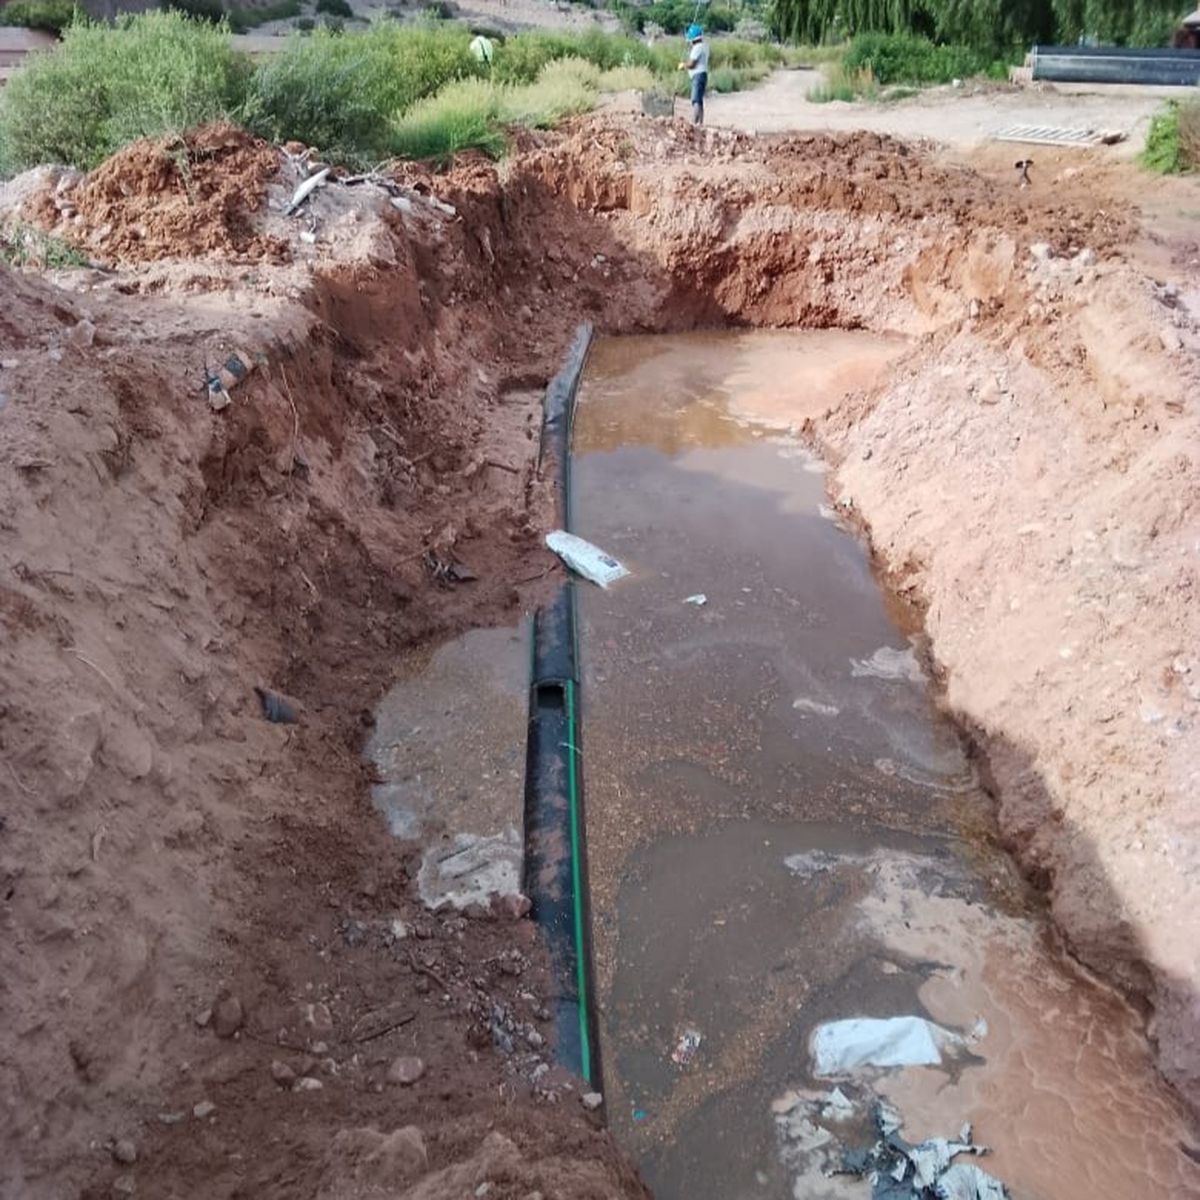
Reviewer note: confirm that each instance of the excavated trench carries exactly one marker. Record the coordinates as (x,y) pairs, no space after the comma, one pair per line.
(783,827)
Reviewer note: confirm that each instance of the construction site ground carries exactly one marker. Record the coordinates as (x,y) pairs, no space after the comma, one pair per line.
(217,976)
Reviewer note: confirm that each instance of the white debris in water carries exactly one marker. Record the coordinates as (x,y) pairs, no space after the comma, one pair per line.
(585,559)
(889,663)
(808,863)
(471,870)
(839,1107)
(839,1047)
(699,600)
(807,705)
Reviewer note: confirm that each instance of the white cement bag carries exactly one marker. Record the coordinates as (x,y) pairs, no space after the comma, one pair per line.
(842,1046)
(585,559)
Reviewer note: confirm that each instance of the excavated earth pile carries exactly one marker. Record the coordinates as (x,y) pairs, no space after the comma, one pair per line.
(215,968)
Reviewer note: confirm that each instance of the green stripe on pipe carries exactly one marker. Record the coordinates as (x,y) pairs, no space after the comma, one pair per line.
(580,967)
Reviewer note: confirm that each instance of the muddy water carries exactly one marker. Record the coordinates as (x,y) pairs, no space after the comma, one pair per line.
(783,831)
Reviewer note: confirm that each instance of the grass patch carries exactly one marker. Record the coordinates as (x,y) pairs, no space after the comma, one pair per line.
(462,116)
(1173,141)
(627,79)
(29,248)
(107,85)
(50,15)
(841,83)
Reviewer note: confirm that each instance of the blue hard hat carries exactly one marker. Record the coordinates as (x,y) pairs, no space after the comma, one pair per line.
(693,32)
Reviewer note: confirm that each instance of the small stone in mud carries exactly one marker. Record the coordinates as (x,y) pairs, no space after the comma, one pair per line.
(124,1152)
(406,1070)
(123,1185)
(205,1108)
(591,1100)
(512,905)
(318,1016)
(421,985)
(227,1016)
(203,1018)
(307,1084)
(535,1039)
(282,1073)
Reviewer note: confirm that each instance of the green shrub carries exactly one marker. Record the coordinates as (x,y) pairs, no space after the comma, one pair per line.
(339,92)
(903,58)
(1173,141)
(306,24)
(462,116)
(242,20)
(335,8)
(104,86)
(50,15)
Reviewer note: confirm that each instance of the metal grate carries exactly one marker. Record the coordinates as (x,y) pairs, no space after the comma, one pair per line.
(1049,135)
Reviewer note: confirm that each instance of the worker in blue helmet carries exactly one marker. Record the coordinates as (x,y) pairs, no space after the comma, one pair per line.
(696,65)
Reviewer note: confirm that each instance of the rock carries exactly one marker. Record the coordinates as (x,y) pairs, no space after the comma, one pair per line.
(307,1084)
(513,905)
(123,1185)
(282,1073)
(319,1017)
(205,1108)
(535,1039)
(83,334)
(203,1018)
(374,1162)
(166,1118)
(228,1016)
(591,1100)
(406,1070)
(1041,251)
(124,1152)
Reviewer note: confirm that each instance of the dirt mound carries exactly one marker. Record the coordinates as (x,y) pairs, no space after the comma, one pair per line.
(184,197)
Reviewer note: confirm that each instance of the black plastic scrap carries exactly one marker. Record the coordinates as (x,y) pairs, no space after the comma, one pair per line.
(276,708)
(898,1170)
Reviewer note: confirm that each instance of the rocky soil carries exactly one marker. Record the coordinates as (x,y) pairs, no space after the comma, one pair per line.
(216,976)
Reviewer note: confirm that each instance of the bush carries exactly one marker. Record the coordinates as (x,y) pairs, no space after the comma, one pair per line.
(903,58)
(306,24)
(104,86)
(1173,141)
(50,15)
(339,92)
(335,8)
(461,116)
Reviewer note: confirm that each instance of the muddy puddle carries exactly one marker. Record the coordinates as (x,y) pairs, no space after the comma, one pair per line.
(784,834)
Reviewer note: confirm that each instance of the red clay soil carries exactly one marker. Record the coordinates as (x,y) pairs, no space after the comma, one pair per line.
(178,197)
(164,849)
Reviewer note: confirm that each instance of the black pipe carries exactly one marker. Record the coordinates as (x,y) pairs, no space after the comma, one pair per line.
(1085,64)
(555,872)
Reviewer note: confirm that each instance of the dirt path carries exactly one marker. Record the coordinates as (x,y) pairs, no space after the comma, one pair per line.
(960,119)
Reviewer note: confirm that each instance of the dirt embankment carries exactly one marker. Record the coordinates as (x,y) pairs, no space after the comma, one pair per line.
(165,849)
